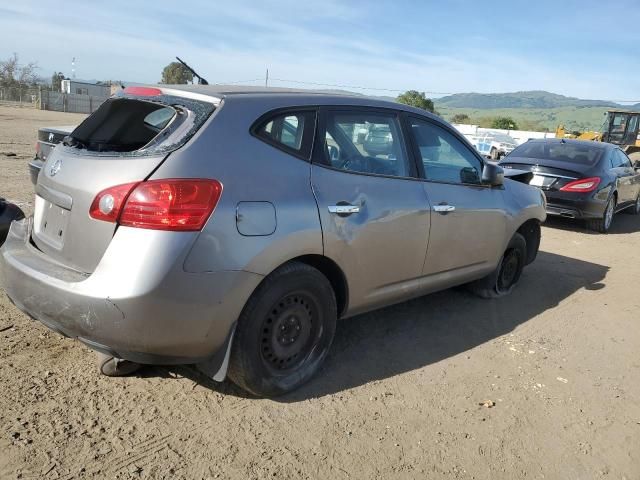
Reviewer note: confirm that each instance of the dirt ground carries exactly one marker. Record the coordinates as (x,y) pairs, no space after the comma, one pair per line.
(399,396)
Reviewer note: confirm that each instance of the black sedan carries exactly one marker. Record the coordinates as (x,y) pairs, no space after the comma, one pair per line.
(581,179)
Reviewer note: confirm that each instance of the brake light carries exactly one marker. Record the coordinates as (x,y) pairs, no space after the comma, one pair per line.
(143,91)
(108,203)
(583,185)
(172,204)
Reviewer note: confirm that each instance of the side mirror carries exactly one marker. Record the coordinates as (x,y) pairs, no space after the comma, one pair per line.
(492,174)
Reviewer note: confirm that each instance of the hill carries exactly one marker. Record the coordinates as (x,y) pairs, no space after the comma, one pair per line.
(530,99)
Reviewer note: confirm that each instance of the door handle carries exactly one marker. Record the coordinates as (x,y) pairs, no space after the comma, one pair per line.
(344,209)
(444,208)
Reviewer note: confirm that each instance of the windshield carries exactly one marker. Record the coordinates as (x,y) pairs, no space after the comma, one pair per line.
(559,151)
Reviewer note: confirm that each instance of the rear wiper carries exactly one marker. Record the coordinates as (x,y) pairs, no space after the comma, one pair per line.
(201,81)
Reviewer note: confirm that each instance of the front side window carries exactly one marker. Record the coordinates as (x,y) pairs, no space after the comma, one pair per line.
(445,157)
(365,143)
(291,131)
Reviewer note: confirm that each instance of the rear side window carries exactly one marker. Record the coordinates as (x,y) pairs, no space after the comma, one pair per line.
(288,131)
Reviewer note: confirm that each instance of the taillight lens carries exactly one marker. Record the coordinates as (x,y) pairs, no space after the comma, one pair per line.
(108,203)
(173,204)
(583,185)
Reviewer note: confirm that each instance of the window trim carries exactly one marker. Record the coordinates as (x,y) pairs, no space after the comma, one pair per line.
(308,135)
(415,150)
(318,157)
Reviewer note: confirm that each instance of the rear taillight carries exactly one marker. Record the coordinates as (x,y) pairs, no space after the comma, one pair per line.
(583,185)
(108,203)
(172,204)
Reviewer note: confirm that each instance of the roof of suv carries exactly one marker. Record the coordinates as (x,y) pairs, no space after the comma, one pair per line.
(292,95)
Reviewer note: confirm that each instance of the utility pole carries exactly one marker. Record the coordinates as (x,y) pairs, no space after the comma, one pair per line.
(73,68)
(266,79)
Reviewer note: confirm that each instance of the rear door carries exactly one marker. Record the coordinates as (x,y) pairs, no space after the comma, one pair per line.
(373,210)
(123,142)
(468,223)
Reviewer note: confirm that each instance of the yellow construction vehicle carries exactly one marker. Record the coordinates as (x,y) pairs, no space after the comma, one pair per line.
(620,127)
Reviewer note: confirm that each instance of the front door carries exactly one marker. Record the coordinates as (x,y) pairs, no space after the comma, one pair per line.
(469,220)
(373,210)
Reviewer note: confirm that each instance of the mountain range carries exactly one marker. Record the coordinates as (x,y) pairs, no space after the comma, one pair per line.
(528,99)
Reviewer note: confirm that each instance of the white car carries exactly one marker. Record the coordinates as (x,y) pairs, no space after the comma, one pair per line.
(493,145)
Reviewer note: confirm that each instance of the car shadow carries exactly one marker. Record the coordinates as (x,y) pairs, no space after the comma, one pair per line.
(413,334)
(622,224)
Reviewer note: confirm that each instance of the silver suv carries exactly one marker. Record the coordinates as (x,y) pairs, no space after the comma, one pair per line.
(232,228)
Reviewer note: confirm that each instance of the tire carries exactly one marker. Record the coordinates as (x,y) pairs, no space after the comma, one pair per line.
(504,278)
(603,224)
(284,331)
(115,367)
(494,154)
(635,208)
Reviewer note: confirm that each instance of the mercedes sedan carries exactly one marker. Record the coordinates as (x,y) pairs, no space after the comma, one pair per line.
(581,179)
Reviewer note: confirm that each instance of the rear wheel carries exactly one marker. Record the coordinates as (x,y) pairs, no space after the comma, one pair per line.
(284,332)
(505,277)
(603,223)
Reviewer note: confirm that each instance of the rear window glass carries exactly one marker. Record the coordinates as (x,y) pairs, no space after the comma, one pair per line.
(127,125)
(558,151)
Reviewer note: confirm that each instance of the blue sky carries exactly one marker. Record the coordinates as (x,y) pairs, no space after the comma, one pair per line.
(587,49)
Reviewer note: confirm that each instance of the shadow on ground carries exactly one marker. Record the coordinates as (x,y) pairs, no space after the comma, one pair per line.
(623,224)
(426,330)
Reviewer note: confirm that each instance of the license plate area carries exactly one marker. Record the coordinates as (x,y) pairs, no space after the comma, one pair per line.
(541,181)
(50,223)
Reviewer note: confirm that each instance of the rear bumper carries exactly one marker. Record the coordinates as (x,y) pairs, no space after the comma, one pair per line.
(139,304)
(574,205)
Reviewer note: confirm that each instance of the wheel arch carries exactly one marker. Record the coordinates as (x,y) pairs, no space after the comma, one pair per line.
(531,231)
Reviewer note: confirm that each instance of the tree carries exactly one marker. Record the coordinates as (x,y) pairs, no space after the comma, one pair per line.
(176,74)
(416,99)
(56,81)
(12,74)
(504,123)
(461,118)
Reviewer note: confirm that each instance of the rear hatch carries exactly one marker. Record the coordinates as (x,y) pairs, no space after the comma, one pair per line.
(123,142)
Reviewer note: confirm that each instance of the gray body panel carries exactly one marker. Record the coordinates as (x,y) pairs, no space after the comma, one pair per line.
(177,295)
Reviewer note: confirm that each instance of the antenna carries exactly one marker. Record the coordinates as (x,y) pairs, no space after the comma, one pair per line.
(266,79)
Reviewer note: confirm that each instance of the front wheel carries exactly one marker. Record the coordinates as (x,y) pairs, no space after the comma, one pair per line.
(284,331)
(506,275)
(603,224)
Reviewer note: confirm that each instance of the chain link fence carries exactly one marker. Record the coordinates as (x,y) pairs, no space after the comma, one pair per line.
(20,96)
(45,99)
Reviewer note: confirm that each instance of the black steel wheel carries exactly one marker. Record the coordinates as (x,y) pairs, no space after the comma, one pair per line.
(507,274)
(284,331)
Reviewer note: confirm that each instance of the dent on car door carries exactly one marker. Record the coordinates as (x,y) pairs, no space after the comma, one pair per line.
(469,220)
(375,217)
